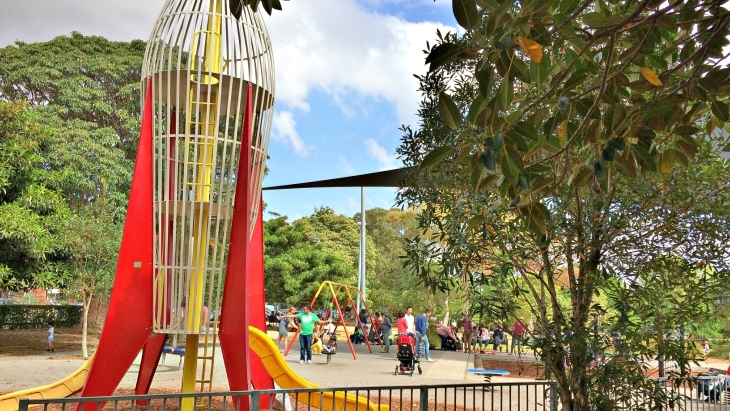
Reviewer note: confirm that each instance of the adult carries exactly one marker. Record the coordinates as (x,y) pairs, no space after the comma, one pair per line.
(284,328)
(386,329)
(307,320)
(401,323)
(364,322)
(483,338)
(375,328)
(518,331)
(446,333)
(421,329)
(468,325)
(410,321)
(498,337)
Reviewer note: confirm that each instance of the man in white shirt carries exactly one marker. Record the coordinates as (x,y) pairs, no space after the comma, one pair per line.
(410,321)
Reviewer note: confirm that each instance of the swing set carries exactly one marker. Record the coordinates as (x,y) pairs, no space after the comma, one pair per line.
(337,289)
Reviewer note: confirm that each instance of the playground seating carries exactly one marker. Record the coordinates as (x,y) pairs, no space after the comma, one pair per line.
(180,352)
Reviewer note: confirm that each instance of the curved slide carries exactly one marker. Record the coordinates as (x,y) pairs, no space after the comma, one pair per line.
(59,389)
(260,343)
(286,377)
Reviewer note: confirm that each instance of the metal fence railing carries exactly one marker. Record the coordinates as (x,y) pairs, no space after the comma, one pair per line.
(527,396)
(704,393)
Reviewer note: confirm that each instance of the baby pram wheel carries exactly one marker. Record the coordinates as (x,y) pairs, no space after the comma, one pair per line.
(396,370)
(420,371)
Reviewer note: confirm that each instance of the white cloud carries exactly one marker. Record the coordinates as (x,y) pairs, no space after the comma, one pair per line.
(339,47)
(284,131)
(386,160)
(345,165)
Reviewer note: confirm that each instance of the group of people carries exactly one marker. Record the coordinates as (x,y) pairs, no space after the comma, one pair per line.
(307,320)
(476,338)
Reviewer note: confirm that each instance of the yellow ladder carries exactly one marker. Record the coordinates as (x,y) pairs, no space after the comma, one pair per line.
(208,363)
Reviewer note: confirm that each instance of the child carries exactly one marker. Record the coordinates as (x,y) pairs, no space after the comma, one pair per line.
(317,346)
(484,339)
(49,337)
(706,347)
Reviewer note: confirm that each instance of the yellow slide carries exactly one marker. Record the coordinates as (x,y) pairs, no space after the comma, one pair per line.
(59,389)
(285,377)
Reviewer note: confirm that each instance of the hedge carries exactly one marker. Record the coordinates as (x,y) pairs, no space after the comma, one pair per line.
(37,316)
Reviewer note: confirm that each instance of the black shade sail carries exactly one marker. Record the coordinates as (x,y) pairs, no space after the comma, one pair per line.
(389,178)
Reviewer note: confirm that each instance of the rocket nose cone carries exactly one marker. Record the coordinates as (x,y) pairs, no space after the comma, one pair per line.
(236,7)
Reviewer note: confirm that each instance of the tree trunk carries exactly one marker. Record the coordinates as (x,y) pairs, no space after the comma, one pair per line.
(446,310)
(85,326)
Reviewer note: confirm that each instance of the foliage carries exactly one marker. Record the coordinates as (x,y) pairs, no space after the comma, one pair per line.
(300,255)
(567,148)
(70,148)
(80,78)
(29,209)
(90,239)
(37,316)
(389,285)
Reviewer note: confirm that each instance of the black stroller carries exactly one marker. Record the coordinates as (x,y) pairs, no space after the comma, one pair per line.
(407,355)
(710,387)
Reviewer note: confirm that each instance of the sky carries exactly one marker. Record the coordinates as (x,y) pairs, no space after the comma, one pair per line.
(344,82)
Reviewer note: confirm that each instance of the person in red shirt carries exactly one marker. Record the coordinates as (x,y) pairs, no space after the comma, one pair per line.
(375,329)
(518,330)
(402,323)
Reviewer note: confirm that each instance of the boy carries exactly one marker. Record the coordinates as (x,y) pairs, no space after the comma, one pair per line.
(49,337)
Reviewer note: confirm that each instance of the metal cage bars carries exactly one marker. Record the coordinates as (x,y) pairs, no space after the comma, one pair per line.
(200,60)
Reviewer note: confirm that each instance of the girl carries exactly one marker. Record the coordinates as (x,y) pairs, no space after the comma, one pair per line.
(284,329)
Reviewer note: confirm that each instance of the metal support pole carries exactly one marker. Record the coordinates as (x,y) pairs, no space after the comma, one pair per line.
(361,267)
(423,397)
(553,395)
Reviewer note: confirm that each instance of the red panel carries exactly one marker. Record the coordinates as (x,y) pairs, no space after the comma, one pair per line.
(256,301)
(151,354)
(126,330)
(233,331)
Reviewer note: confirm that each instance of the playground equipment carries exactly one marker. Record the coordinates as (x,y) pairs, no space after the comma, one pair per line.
(208,97)
(335,289)
(264,349)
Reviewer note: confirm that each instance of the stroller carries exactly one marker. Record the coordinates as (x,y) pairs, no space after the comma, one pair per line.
(407,355)
(710,387)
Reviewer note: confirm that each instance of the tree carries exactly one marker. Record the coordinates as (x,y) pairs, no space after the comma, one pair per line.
(80,78)
(83,94)
(90,238)
(390,286)
(576,140)
(299,256)
(30,209)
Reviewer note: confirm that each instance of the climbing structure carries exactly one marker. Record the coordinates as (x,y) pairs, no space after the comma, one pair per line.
(192,247)
(340,301)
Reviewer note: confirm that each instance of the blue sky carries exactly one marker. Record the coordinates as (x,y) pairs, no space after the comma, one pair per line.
(344,81)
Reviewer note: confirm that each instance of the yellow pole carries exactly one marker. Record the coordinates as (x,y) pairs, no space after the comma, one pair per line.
(207,118)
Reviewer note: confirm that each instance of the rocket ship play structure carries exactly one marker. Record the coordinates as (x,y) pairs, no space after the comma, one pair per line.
(192,241)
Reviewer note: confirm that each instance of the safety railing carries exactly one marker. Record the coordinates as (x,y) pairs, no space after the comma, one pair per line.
(528,396)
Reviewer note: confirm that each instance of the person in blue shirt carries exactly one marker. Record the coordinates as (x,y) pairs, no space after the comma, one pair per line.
(421,337)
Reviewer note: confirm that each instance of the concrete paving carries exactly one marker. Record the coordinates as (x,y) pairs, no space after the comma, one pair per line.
(369,369)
